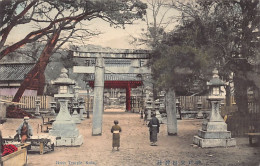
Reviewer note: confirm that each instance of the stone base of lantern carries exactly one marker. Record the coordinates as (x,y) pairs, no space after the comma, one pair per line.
(210,143)
(76,117)
(66,133)
(69,141)
(37,114)
(214,134)
(200,115)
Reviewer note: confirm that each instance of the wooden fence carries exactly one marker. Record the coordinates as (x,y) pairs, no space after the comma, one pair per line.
(190,102)
(29,101)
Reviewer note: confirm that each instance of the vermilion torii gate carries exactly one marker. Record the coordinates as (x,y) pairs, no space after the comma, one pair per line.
(109,68)
(128,85)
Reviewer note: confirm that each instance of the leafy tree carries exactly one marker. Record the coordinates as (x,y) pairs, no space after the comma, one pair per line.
(56,22)
(231,29)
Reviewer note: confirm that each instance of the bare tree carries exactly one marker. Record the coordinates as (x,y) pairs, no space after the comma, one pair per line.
(56,22)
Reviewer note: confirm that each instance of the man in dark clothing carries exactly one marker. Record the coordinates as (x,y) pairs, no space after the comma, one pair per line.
(154,129)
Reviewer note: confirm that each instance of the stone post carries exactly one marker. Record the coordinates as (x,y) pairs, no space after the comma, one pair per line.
(37,104)
(98,106)
(171,112)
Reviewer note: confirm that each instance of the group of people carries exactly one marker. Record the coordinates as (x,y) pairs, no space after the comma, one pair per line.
(24,131)
(153,125)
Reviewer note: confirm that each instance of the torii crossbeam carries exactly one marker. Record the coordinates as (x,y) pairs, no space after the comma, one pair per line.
(101,70)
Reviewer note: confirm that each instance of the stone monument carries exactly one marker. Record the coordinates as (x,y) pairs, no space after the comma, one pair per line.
(64,127)
(214,130)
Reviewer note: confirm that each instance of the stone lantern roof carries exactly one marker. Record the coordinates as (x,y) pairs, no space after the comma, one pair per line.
(63,79)
(215,81)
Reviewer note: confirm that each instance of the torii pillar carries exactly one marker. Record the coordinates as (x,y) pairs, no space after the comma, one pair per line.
(128,97)
(98,106)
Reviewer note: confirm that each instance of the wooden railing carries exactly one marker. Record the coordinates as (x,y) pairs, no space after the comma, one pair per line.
(29,101)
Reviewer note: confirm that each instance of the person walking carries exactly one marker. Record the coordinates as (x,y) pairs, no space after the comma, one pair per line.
(154,126)
(24,131)
(116,129)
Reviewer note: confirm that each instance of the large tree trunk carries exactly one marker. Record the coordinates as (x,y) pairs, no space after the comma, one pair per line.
(171,112)
(240,86)
(228,95)
(38,69)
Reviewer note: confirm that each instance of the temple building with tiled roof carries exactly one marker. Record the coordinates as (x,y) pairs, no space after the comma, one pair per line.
(11,77)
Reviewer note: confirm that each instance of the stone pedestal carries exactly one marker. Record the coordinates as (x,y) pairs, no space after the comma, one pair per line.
(64,128)
(214,130)
(75,116)
(200,115)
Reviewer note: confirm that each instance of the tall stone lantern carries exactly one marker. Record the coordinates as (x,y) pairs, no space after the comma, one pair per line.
(214,130)
(63,126)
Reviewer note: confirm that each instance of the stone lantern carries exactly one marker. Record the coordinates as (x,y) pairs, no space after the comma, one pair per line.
(214,130)
(157,110)
(75,116)
(149,108)
(53,107)
(81,107)
(76,92)
(63,126)
(37,104)
(178,112)
(199,107)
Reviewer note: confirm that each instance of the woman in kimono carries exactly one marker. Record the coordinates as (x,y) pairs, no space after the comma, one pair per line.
(116,129)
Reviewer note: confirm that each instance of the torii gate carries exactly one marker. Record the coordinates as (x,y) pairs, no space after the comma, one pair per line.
(100,70)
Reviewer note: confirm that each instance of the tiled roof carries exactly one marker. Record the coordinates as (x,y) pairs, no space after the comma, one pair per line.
(15,71)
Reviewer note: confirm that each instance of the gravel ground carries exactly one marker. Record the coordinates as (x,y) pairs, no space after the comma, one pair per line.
(135,147)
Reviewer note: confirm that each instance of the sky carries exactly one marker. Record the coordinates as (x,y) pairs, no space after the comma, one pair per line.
(110,37)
